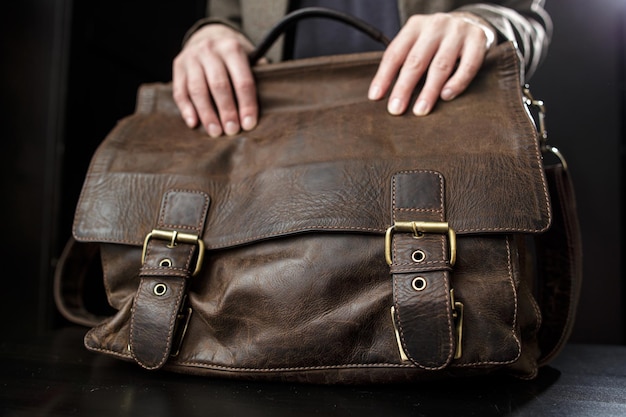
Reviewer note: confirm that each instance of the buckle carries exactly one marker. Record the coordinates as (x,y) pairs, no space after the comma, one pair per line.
(419,229)
(174,238)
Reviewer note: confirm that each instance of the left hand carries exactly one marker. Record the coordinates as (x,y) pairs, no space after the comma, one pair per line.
(431,46)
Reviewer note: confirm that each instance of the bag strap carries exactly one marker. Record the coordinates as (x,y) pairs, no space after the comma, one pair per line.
(559,265)
(172,254)
(313,12)
(420,250)
(78,262)
(558,250)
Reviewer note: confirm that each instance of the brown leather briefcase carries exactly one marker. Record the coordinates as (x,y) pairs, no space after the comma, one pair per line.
(334,243)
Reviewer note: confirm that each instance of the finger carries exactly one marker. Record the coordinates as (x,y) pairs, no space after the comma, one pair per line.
(221,91)
(471,61)
(244,87)
(198,90)
(439,71)
(388,68)
(392,61)
(181,96)
(412,71)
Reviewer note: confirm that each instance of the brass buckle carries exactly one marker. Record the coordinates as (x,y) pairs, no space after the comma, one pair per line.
(418,229)
(174,238)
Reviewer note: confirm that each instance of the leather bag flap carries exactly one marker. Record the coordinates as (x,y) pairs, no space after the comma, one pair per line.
(322,158)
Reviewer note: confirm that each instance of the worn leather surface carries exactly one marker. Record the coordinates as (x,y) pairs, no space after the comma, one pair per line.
(295,285)
(423,312)
(324,144)
(165,269)
(562,247)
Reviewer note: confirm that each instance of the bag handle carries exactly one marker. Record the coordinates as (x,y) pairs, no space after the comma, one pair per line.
(311,12)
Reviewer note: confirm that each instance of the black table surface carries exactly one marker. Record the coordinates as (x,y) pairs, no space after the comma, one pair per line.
(56,376)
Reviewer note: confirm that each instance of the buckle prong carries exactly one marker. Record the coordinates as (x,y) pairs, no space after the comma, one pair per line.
(418,229)
(175,237)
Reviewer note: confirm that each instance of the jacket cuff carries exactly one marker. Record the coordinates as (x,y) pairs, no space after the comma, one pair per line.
(209,21)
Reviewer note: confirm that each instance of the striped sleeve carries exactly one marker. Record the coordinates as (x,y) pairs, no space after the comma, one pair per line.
(526,23)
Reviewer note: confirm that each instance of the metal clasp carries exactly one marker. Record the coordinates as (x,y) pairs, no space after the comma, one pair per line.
(541,113)
(419,229)
(403,355)
(457,314)
(182,323)
(530,101)
(174,238)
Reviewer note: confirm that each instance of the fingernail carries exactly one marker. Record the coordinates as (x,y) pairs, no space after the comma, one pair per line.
(395,107)
(248,123)
(373,93)
(447,94)
(421,108)
(214,130)
(231,128)
(190,121)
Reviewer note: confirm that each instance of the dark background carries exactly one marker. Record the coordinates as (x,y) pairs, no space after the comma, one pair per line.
(70,70)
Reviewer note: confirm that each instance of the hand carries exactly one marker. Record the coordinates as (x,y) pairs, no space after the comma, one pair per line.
(213,82)
(431,46)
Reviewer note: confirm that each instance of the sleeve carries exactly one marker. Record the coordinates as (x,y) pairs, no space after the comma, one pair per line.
(226,12)
(525,22)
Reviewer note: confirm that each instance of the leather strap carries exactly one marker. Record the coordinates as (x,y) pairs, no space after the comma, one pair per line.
(78,263)
(559,259)
(313,12)
(168,264)
(420,271)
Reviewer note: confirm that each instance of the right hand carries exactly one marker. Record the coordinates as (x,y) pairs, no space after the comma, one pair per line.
(213,83)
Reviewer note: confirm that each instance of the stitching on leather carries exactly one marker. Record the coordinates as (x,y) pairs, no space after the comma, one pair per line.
(261,370)
(170,330)
(179,284)
(394,209)
(173,316)
(419,266)
(284,233)
(417,210)
(170,272)
(198,227)
(514,325)
(296,368)
(517,108)
(515,297)
(446,275)
(289,369)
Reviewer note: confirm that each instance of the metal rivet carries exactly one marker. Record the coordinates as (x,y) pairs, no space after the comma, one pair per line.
(418,256)
(165,262)
(160,290)
(419,284)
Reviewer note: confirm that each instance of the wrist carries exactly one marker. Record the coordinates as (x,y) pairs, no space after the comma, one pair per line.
(491,35)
